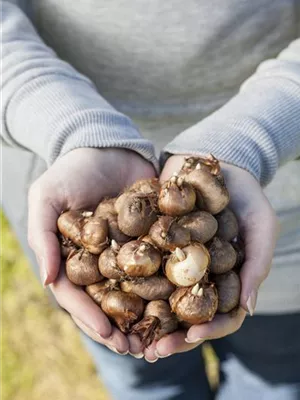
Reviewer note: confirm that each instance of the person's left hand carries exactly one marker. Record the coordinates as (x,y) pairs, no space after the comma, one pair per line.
(258,227)
(78,181)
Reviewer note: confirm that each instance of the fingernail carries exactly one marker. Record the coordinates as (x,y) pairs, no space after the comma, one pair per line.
(112,348)
(251,302)
(196,340)
(88,327)
(160,356)
(151,361)
(138,355)
(92,328)
(96,333)
(43,271)
(106,336)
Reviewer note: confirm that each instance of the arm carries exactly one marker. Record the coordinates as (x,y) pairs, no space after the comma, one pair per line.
(259,129)
(53,111)
(47,106)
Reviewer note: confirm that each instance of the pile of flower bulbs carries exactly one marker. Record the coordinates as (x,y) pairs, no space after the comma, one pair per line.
(158,257)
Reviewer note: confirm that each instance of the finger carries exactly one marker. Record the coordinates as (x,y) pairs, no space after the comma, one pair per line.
(77,303)
(139,168)
(220,326)
(149,353)
(259,231)
(135,346)
(258,227)
(257,222)
(174,343)
(173,164)
(117,342)
(42,217)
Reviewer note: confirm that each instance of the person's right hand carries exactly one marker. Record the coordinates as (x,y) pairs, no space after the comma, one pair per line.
(258,228)
(79,180)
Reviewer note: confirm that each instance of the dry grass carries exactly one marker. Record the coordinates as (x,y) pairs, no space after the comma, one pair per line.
(38,363)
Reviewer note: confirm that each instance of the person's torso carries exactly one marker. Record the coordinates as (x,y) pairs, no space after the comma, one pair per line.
(177,60)
(169,64)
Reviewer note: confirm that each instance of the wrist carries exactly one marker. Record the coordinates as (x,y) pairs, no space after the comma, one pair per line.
(116,166)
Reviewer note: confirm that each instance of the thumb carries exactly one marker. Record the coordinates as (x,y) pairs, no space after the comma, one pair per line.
(260,233)
(173,164)
(42,238)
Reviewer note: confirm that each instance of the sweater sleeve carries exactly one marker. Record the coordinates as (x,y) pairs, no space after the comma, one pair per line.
(258,129)
(47,106)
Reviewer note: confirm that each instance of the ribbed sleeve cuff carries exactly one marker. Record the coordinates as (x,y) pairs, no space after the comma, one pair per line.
(257,130)
(91,128)
(53,114)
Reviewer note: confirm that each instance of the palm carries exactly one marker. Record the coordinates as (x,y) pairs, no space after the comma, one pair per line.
(258,229)
(78,180)
(83,177)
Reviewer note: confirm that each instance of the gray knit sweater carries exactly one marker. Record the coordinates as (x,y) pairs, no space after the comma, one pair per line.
(193,76)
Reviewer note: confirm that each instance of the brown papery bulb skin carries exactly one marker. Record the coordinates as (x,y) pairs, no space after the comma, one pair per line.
(176,197)
(94,235)
(97,290)
(120,201)
(187,266)
(66,250)
(105,207)
(136,215)
(222,254)
(123,308)
(214,194)
(114,233)
(239,248)
(139,259)
(106,210)
(201,225)
(66,247)
(195,305)
(108,265)
(209,163)
(146,186)
(70,224)
(158,321)
(167,234)
(228,227)
(229,290)
(82,268)
(147,239)
(151,288)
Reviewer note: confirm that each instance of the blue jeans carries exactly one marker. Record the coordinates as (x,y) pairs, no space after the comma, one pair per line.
(260,362)
(178,377)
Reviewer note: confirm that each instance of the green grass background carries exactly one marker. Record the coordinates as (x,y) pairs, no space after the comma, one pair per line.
(41,352)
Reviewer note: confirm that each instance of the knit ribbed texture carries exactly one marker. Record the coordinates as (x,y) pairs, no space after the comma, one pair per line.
(259,129)
(70,116)
(48,107)
(167,66)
